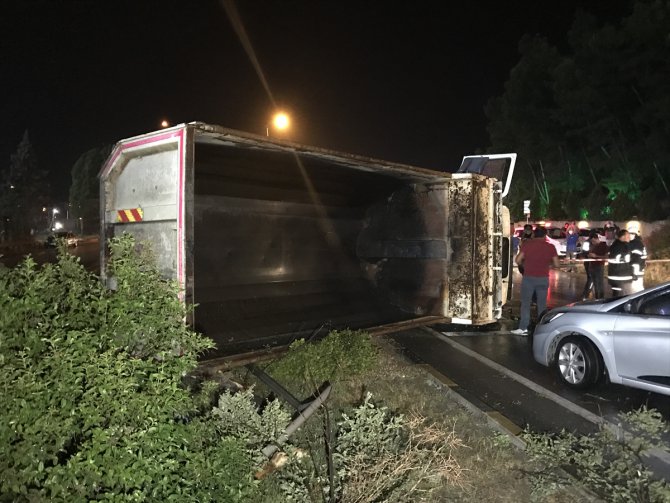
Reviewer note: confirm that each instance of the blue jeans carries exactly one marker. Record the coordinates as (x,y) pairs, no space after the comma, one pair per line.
(532,285)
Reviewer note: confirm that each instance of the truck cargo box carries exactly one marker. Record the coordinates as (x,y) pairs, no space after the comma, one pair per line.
(273,240)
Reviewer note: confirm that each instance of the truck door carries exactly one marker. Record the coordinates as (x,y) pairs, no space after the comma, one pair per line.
(501,168)
(498,166)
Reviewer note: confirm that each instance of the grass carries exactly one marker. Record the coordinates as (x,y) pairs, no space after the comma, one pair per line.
(460,456)
(483,464)
(488,460)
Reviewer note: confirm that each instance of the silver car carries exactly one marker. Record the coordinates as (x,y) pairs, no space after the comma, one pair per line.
(626,338)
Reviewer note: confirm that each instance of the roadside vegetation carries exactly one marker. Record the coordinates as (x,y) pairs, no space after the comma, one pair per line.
(104,401)
(589,120)
(658,242)
(609,463)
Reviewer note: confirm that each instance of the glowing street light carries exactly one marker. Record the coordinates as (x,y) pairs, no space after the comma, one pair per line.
(280,122)
(54,212)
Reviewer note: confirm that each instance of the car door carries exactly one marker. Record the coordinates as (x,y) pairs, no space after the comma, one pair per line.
(498,166)
(642,339)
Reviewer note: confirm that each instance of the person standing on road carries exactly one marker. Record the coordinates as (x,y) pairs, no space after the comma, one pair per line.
(638,259)
(610,233)
(595,267)
(571,245)
(619,267)
(526,235)
(537,256)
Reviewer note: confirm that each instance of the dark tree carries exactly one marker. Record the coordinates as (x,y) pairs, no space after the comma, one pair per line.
(522,121)
(24,193)
(591,126)
(84,191)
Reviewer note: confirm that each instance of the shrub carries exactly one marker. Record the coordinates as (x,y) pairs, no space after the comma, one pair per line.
(658,242)
(381,456)
(340,356)
(93,402)
(344,453)
(605,463)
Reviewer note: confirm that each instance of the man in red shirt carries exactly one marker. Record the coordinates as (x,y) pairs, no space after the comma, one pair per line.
(537,256)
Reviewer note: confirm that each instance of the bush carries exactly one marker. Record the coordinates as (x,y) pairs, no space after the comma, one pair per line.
(603,463)
(93,402)
(341,355)
(381,456)
(658,242)
(345,453)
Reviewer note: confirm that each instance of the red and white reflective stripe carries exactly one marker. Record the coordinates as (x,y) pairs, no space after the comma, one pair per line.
(131,215)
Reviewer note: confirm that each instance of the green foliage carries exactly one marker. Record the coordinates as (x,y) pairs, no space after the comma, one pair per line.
(240,418)
(23,192)
(146,313)
(340,356)
(93,402)
(377,455)
(658,243)
(591,121)
(370,432)
(608,464)
(382,456)
(84,191)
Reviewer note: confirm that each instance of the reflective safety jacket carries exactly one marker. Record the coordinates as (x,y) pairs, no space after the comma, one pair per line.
(638,256)
(619,267)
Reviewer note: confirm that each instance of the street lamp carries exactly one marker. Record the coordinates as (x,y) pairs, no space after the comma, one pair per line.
(280,122)
(54,212)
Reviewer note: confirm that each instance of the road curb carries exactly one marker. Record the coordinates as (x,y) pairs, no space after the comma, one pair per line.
(493,418)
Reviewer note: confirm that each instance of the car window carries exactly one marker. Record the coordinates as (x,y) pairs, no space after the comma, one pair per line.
(658,306)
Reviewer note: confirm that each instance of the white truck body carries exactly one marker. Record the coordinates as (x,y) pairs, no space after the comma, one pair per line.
(273,240)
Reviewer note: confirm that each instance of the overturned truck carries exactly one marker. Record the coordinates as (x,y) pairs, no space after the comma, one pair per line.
(272,240)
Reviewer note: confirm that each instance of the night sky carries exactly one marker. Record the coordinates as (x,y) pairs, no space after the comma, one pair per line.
(401,81)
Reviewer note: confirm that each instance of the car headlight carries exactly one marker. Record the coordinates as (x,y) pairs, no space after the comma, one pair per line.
(549,317)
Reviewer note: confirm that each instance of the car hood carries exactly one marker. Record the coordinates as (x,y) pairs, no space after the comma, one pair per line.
(590,305)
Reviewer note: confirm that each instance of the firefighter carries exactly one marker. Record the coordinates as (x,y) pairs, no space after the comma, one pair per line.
(619,267)
(638,256)
(610,233)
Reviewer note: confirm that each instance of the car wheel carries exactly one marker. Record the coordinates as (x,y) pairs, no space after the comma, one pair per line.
(577,362)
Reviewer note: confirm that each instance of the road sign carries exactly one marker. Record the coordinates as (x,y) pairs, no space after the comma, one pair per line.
(526,207)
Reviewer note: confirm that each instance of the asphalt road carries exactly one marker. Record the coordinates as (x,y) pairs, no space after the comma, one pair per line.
(88,251)
(515,353)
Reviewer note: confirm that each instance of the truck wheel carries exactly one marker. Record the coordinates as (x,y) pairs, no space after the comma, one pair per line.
(577,362)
